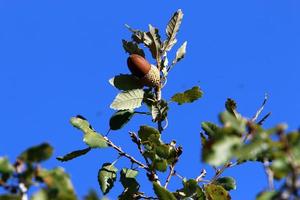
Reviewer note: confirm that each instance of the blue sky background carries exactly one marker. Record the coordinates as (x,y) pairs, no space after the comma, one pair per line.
(56,58)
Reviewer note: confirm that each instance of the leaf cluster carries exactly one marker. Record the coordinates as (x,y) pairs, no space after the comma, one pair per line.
(17,178)
(233,141)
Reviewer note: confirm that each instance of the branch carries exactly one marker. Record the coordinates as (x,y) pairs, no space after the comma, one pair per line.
(220,171)
(178,175)
(171,173)
(152,176)
(142,113)
(122,153)
(258,112)
(158,90)
(270,174)
(137,141)
(201,176)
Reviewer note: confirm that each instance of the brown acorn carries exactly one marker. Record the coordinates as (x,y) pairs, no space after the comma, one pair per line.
(141,68)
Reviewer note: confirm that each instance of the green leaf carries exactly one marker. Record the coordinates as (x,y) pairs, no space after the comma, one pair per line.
(106,177)
(159,111)
(59,185)
(190,187)
(149,99)
(191,190)
(126,82)
(91,137)
(229,120)
(132,48)
(156,43)
(163,150)
(73,154)
(160,164)
(120,118)
(188,96)
(5,166)
(228,183)
(94,140)
(37,153)
(172,29)
(162,193)
(149,135)
(128,180)
(139,36)
(180,53)
(209,128)
(294,143)
(258,146)
(200,194)
(127,100)
(270,195)
(220,151)
(216,192)
(281,168)
(231,106)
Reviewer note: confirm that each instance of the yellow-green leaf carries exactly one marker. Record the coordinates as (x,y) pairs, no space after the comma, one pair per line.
(188,96)
(73,154)
(106,177)
(91,137)
(162,193)
(127,100)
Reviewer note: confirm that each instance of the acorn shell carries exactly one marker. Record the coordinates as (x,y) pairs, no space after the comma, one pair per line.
(138,65)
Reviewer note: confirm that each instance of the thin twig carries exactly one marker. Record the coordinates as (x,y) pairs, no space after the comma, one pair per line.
(270,174)
(142,113)
(122,153)
(178,175)
(251,130)
(158,90)
(107,132)
(151,173)
(171,173)
(170,67)
(167,123)
(201,176)
(254,118)
(137,141)
(264,119)
(220,171)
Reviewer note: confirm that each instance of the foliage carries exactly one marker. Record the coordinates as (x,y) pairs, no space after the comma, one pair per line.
(232,141)
(26,176)
(26,172)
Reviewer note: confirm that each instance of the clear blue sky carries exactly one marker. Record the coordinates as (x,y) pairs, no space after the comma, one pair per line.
(56,58)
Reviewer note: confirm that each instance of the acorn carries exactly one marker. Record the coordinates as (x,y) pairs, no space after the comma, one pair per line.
(141,68)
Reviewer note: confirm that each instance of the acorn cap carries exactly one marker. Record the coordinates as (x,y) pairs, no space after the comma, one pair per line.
(152,78)
(138,65)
